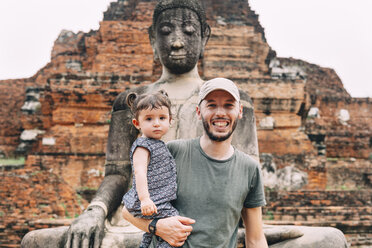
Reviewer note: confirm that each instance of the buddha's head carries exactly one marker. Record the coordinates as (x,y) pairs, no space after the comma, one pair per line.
(178,34)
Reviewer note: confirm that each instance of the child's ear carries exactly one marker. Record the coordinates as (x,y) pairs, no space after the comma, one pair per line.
(136,123)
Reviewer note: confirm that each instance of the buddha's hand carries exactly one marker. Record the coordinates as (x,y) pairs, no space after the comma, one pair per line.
(87,230)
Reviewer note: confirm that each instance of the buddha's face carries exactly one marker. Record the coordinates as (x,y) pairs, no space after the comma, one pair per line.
(178,41)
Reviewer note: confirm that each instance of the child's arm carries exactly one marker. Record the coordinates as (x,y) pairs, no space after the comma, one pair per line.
(140,161)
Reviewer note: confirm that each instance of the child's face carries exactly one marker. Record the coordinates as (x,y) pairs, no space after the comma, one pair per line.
(153,123)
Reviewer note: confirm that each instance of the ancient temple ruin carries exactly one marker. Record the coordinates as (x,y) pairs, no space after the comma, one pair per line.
(314,139)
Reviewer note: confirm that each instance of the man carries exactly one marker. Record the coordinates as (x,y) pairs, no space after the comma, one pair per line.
(216,182)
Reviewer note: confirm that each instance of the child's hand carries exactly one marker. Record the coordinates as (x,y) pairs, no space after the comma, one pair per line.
(148,207)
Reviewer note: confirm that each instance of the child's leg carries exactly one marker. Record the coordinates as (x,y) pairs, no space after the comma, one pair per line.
(146,240)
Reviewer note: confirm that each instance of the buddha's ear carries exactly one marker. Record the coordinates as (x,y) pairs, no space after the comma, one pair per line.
(205,38)
(152,42)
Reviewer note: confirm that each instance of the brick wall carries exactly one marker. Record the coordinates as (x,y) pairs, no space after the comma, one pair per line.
(30,194)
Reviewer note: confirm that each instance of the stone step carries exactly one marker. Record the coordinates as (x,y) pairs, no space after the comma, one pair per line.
(9,167)
(320,198)
(355,226)
(334,213)
(334,210)
(318,217)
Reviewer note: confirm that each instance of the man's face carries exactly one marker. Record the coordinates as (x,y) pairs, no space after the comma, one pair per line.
(178,40)
(219,112)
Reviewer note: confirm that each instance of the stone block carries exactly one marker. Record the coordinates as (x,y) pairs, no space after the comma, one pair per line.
(283,141)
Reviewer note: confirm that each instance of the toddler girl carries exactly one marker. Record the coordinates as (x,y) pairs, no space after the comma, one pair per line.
(153,167)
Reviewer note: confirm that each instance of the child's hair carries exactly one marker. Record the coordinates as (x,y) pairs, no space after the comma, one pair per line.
(156,100)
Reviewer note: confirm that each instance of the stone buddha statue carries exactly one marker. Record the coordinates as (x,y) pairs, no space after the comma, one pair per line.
(178,35)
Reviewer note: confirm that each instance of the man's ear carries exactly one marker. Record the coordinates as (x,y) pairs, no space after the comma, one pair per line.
(136,123)
(240,111)
(152,42)
(198,112)
(206,35)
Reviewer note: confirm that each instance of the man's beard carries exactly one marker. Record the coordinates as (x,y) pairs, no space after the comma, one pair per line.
(218,138)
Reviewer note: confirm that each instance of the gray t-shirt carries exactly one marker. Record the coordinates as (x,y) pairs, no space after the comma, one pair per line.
(213,192)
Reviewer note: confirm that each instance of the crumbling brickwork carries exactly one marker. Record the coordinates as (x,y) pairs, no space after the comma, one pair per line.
(30,194)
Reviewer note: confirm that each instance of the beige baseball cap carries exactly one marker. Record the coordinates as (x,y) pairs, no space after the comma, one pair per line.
(218,84)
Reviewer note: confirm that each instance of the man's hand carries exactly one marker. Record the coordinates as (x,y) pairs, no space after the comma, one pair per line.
(148,207)
(174,230)
(87,230)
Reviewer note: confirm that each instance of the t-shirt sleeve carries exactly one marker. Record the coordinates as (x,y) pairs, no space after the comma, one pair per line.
(256,195)
(173,147)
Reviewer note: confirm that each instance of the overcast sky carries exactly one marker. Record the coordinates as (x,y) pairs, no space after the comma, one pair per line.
(330,33)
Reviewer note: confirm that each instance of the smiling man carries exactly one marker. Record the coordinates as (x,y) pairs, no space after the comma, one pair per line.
(217,184)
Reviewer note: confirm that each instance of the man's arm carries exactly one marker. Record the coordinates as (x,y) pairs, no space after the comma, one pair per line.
(254,235)
(174,230)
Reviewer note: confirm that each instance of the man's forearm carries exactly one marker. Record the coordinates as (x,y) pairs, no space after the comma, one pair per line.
(138,222)
(259,243)
(254,235)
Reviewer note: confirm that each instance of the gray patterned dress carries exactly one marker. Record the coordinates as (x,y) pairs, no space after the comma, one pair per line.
(162,184)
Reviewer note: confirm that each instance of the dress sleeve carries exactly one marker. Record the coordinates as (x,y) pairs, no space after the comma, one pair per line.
(256,194)
(141,142)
